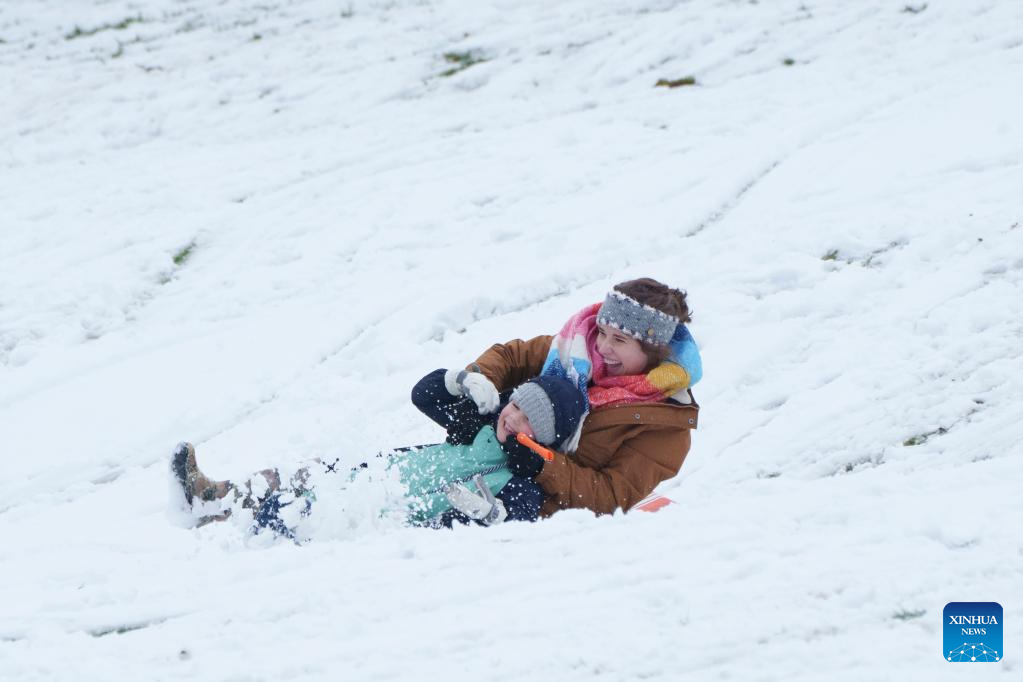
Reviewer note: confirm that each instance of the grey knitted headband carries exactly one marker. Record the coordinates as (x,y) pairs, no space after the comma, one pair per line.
(636,319)
(536,405)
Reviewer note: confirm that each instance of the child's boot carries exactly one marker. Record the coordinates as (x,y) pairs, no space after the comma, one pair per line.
(194,483)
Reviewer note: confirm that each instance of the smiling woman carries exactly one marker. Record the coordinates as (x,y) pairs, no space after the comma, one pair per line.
(634,360)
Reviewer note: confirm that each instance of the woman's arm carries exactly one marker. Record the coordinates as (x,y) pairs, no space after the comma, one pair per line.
(457,414)
(509,364)
(638,466)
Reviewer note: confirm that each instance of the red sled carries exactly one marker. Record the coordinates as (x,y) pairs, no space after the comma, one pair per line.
(653,502)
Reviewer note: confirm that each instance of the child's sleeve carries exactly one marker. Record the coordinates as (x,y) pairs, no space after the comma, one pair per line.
(457,414)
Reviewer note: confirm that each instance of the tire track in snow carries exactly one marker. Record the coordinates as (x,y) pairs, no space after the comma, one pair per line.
(722,211)
(732,202)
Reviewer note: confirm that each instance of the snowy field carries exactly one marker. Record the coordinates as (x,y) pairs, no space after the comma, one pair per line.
(255,226)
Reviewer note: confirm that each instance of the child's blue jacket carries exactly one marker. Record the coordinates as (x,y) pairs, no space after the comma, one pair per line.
(471,448)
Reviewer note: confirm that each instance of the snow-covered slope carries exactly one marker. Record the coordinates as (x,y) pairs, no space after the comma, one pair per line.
(255,227)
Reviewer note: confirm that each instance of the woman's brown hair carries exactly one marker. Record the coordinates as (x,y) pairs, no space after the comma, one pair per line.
(656,295)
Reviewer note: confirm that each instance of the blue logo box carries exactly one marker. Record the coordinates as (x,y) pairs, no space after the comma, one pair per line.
(973,632)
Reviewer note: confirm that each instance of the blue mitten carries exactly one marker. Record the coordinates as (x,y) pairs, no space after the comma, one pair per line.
(522,461)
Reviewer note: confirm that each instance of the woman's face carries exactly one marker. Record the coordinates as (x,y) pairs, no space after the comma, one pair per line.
(512,420)
(622,354)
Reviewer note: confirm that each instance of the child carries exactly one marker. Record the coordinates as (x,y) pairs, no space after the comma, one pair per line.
(480,447)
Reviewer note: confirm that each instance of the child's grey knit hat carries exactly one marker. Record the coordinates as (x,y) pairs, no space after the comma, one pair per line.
(553,406)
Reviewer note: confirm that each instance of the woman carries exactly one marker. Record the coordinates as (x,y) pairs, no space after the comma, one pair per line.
(635,360)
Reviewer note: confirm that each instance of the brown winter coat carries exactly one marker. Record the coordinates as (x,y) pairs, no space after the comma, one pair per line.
(624,452)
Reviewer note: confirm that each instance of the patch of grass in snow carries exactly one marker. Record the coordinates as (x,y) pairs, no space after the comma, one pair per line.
(861,463)
(788,61)
(179,258)
(908,615)
(121,629)
(462,61)
(119,52)
(922,438)
(910,9)
(884,249)
(348,12)
(80,32)
(675,83)
(184,254)
(189,26)
(868,261)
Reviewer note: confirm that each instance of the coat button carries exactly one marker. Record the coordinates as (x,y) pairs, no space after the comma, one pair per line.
(636,415)
(692,421)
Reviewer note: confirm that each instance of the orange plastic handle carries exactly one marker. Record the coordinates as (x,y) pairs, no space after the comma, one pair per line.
(548,455)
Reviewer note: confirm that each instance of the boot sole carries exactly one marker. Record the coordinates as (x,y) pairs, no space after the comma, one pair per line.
(178,468)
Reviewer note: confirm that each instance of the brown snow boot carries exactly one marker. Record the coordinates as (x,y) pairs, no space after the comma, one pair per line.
(194,483)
